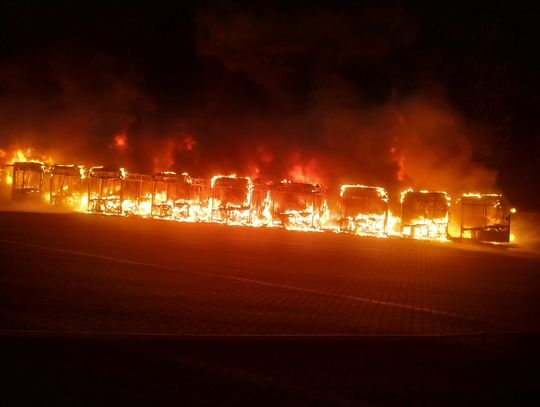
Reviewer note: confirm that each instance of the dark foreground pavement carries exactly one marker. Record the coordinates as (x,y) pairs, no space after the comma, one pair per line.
(269,371)
(101,309)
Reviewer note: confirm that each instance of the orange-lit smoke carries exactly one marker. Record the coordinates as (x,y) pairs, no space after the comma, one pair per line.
(120,141)
(307,172)
(245,115)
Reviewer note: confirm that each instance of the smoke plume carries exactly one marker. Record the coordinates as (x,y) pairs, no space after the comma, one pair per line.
(311,95)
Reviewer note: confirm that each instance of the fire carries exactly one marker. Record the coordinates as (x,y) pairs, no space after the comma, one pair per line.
(399,159)
(67,187)
(231,199)
(485,217)
(298,205)
(136,194)
(8,178)
(364,210)
(425,214)
(120,141)
(307,172)
(30,155)
(239,200)
(104,190)
(393,225)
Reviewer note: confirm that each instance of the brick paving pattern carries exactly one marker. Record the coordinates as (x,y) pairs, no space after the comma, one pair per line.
(86,273)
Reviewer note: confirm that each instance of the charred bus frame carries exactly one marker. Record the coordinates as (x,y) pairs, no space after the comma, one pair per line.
(105,190)
(200,193)
(297,204)
(136,194)
(261,202)
(231,199)
(66,187)
(171,194)
(363,210)
(425,214)
(27,183)
(485,217)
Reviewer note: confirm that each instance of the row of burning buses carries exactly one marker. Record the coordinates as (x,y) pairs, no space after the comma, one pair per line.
(362,210)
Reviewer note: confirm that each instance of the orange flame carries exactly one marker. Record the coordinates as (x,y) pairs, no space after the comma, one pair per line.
(296,204)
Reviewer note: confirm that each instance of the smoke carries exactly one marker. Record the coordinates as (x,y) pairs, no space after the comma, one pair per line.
(73,104)
(311,95)
(318,119)
(525,226)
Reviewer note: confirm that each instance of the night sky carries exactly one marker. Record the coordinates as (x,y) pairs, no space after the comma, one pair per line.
(389,93)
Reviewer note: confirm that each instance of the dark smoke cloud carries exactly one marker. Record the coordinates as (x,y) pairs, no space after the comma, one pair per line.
(324,124)
(287,51)
(322,93)
(71,103)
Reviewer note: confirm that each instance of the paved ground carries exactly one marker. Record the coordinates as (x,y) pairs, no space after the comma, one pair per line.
(108,274)
(269,313)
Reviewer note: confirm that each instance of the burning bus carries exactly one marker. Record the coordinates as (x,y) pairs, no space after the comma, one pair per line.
(200,194)
(298,205)
(66,187)
(262,203)
(171,194)
(27,181)
(425,214)
(485,217)
(105,190)
(136,194)
(363,210)
(231,199)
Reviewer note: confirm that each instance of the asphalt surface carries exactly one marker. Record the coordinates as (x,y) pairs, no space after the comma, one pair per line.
(96,309)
